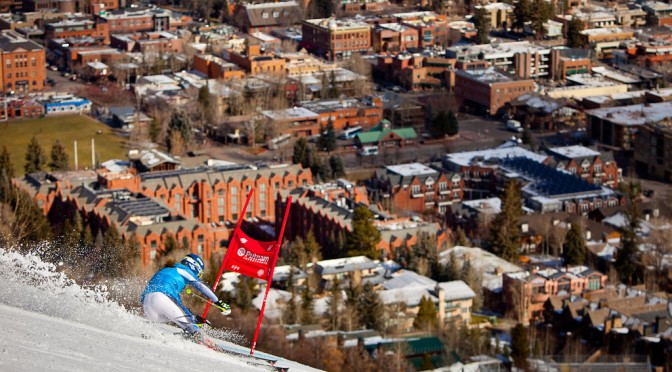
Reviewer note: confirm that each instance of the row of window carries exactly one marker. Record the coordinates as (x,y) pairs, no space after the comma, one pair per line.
(20,62)
(443,186)
(22,74)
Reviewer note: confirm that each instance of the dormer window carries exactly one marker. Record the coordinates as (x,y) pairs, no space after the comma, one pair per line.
(264,15)
(276,14)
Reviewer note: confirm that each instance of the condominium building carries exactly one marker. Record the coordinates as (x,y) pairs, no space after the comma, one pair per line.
(522,58)
(489,90)
(336,39)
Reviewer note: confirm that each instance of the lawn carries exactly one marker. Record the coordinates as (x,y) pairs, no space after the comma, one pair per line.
(17,134)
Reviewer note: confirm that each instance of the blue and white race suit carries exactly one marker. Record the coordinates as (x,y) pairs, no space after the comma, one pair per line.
(161,298)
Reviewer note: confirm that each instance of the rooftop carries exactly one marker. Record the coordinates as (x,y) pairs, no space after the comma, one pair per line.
(634,115)
(574,152)
(412,169)
(489,157)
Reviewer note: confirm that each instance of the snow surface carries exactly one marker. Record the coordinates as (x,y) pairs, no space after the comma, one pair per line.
(50,322)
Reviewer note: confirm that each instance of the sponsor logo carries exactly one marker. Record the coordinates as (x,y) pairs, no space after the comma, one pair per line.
(243,240)
(252,257)
(260,272)
(270,247)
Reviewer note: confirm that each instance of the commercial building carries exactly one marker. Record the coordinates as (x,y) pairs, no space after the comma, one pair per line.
(296,121)
(77,28)
(216,67)
(254,61)
(569,61)
(393,37)
(618,127)
(23,67)
(131,20)
(335,39)
(499,14)
(653,150)
(488,90)
(522,58)
(345,113)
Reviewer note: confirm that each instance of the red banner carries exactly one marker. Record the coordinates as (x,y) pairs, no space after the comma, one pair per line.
(249,257)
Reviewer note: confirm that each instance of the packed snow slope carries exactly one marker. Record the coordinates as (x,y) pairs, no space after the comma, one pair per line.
(48,322)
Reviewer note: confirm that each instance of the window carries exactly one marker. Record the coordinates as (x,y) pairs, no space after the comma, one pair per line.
(594,284)
(443,186)
(290,184)
(264,15)
(178,201)
(415,189)
(220,201)
(276,14)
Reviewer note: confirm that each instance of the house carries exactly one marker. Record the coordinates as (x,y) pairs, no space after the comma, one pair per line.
(526,292)
(382,136)
(126,117)
(350,269)
(66,104)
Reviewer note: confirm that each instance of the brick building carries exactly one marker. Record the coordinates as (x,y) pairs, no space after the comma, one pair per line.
(346,113)
(335,39)
(415,187)
(62,6)
(267,16)
(590,165)
(217,68)
(569,61)
(132,20)
(199,206)
(23,68)
(155,42)
(393,37)
(77,28)
(327,210)
(488,90)
(256,61)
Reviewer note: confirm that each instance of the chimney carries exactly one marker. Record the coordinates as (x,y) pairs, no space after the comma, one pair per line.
(499,271)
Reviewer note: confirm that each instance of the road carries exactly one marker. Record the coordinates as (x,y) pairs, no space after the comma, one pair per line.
(475,134)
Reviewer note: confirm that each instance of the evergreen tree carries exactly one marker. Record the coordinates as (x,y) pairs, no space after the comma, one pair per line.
(179,128)
(205,101)
(59,158)
(317,167)
(113,257)
(424,254)
(307,306)
(482,26)
(426,317)
(574,249)
(351,317)
(453,125)
(522,13)
(330,137)
(337,167)
(627,255)
(35,157)
(370,308)
(574,37)
(6,174)
(364,236)
(72,232)
(301,153)
(453,271)
(440,124)
(520,347)
(504,239)
(290,315)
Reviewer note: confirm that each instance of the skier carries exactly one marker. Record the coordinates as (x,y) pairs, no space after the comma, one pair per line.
(161,298)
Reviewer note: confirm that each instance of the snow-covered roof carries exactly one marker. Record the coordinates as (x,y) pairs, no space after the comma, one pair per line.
(573,152)
(482,261)
(491,205)
(634,115)
(411,296)
(411,169)
(407,278)
(456,290)
(482,156)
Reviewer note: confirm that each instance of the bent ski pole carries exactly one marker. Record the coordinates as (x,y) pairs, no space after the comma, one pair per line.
(190,292)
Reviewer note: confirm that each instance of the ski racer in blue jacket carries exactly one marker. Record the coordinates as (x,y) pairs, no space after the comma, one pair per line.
(161,298)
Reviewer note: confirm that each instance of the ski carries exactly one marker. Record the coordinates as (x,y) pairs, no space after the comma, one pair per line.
(259,358)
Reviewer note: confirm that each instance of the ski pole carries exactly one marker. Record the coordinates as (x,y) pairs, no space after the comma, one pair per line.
(190,292)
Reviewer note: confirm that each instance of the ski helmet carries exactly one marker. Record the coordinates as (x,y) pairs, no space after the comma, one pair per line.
(194,262)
